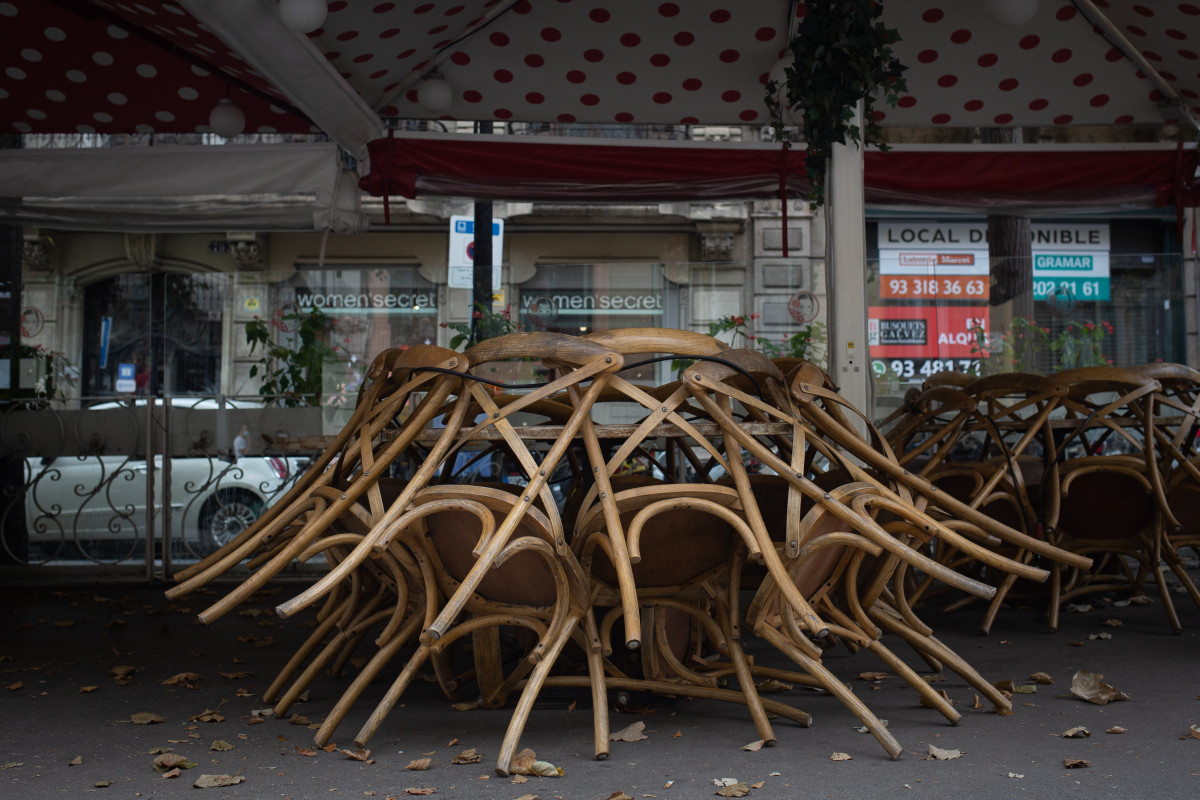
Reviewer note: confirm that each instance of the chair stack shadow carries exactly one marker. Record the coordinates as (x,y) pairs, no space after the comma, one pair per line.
(745,500)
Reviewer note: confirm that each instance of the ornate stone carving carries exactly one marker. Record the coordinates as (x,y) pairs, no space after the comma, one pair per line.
(248,255)
(141,250)
(716,240)
(35,254)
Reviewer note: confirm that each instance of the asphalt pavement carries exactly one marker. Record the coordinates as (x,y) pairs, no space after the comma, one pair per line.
(67,699)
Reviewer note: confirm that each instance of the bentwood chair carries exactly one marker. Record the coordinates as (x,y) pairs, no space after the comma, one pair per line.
(846,513)
(1106,492)
(494,558)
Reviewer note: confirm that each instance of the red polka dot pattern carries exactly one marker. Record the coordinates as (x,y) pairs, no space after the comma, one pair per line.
(1049,70)
(660,62)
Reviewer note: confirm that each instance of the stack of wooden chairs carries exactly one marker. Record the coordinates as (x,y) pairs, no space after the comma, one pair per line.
(755,479)
(1098,461)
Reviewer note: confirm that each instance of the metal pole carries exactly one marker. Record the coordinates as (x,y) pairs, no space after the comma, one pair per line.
(481,290)
(846,273)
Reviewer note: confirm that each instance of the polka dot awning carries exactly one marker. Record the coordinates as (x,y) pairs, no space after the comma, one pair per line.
(114,66)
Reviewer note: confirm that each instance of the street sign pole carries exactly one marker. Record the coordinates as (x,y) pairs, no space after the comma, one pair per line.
(481,290)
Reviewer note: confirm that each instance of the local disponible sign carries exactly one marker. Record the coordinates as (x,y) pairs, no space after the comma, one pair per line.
(950,260)
(461,258)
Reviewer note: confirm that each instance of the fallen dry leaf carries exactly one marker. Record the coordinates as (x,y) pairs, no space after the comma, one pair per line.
(1078,732)
(237,676)
(419,763)
(1094,636)
(307,752)
(299,719)
(1076,763)
(865,729)
(188,680)
(1090,686)
(173,773)
(452,742)
(771,686)
(677,735)
(934,678)
(754,746)
(208,715)
(87,689)
(1116,729)
(144,718)
(359,755)
(75,762)
(1077,608)
(11,765)
(938,754)
(734,790)
(873,676)
(632,733)
(618,795)
(12,687)
(467,757)
(172,760)
(841,757)
(465,706)
(123,671)
(758,784)
(102,784)
(1041,678)
(520,779)
(1112,623)
(214,781)
(220,745)
(411,790)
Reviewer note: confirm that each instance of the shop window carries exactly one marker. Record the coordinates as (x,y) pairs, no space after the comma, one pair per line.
(1103,293)
(363,310)
(152,334)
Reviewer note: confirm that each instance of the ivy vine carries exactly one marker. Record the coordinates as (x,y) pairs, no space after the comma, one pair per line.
(842,54)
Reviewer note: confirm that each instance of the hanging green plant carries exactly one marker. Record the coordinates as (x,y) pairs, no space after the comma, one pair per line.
(842,54)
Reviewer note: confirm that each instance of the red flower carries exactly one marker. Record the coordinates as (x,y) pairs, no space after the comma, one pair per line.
(755,316)
(1091,326)
(477,315)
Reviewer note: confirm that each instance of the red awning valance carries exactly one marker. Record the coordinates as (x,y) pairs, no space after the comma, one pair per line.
(1013,177)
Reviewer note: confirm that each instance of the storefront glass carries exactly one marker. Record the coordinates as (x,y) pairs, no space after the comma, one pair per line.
(1103,293)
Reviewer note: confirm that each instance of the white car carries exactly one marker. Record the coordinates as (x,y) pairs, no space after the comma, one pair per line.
(94,505)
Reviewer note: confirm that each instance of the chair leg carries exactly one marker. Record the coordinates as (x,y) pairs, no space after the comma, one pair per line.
(1168,605)
(393,694)
(947,656)
(994,607)
(363,679)
(533,686)
(835,687)
(1055,597)
(599,692)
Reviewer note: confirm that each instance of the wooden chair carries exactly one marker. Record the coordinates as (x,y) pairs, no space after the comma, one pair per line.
(1106,504)
(486,575)
(664,555)
(854,526)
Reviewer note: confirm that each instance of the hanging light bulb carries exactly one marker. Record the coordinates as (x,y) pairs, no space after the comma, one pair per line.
(303,16)
(226,119)
(435,94)
(1011,12)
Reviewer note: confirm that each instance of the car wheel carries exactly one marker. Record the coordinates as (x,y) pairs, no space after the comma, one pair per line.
(225,515)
